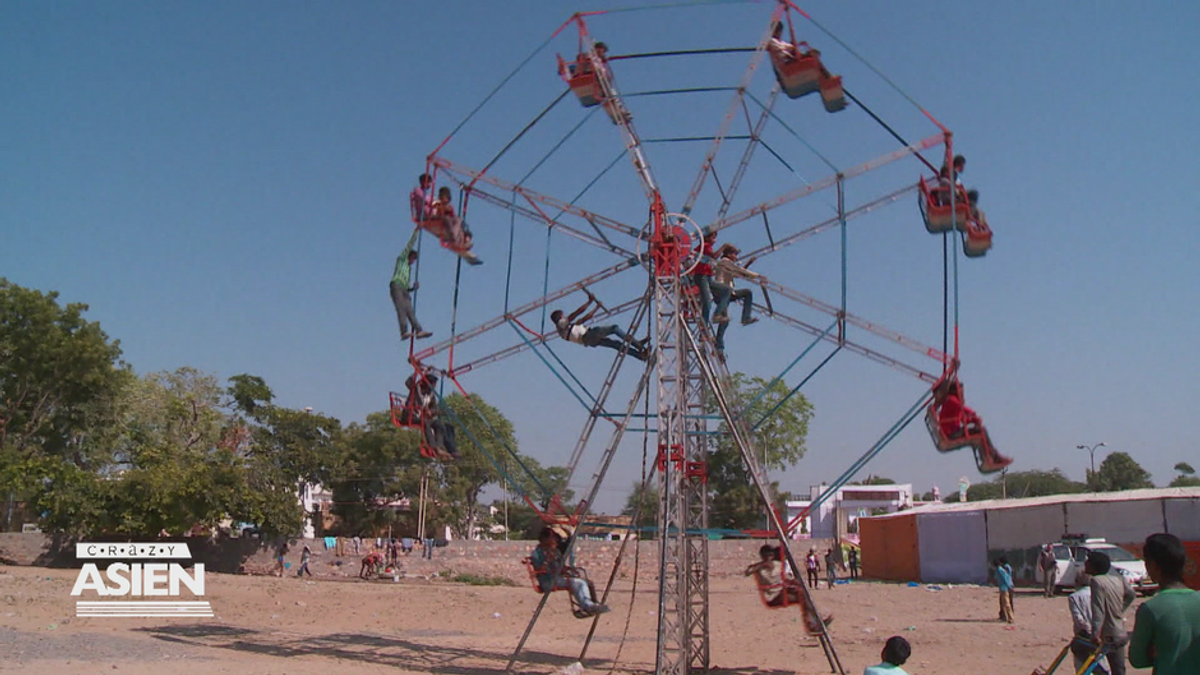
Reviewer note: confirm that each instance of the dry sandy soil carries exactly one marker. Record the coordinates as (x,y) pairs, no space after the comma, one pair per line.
(329,626)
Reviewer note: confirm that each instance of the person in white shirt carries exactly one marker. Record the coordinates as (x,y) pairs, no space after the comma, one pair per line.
(1081,622)
(573,328)
(724,273)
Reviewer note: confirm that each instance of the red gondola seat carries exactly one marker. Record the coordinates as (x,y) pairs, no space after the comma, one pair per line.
(582,80)
(801,74)
(567,571)
(952,425)
(407,415)
(832,95)
(935,208)
(978,237)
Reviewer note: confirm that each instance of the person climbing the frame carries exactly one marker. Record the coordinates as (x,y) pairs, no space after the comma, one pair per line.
(768,572)
(724,273)
(572,328)
(702,273)
(400,290)
(612,105)
(553,573)
(420,200)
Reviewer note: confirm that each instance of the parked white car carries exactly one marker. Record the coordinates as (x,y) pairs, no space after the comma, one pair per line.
(1070,557)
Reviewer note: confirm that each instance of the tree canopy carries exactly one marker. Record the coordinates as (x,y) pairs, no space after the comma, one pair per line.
(1119,471)
(779,439)
(1033,483)
(1187,476)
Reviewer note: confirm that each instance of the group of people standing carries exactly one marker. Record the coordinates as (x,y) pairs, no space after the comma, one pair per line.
(812,566)
(1166,630)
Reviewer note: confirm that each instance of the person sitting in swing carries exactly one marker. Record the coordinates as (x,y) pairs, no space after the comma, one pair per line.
(941,195)
(449,228)
(422,408)
(572,329)
(553,573)
(956,420)
(768,572)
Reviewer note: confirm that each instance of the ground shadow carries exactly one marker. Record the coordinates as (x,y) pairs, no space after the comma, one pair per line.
(366,648)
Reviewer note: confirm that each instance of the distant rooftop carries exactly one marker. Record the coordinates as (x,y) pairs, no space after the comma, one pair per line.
(1084,497)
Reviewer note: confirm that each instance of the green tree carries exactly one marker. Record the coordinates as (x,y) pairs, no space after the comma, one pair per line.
(1117,472)
(287,450)
(1187,476)
(780,429)
(647,498)
(875,480)
(1019,484)
(462,481)
(382,465)
(523,521)
(61,381)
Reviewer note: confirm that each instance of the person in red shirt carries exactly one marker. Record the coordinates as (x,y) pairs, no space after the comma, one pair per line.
(955,418)
(703,272)
(370,564)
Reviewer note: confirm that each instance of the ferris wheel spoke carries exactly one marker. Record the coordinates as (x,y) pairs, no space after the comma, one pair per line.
(479,177)
(549,337)
(525,309)
(869,326)
(748,153)
(825,183)
(535,214)
(830,223)
(848,345)
(738,101)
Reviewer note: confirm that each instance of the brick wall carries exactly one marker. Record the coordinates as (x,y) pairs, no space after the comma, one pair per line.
(488,558)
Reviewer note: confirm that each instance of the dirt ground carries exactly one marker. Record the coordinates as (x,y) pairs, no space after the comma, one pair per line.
(329,626)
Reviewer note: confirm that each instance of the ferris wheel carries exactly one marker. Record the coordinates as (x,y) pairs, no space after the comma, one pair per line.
(654,259)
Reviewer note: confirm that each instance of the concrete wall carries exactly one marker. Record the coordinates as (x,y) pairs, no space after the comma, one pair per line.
(727,558)
(953,547)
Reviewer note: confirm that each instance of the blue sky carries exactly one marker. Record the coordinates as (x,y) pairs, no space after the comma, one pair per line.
(225,184)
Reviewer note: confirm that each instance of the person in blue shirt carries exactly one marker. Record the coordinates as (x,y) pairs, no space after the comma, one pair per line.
(1004,580)
(553,573)
(895,653)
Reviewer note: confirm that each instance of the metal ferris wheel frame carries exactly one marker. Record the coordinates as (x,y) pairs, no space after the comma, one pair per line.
(687,375)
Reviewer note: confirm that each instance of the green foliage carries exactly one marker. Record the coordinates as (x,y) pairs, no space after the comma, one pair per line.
(875,480)
(462,481)
(523,521)
(779,440)
(1187,476)
(1020,484)
(382,464)
(1117,472)
(60,378)
(481,580)
(648,500)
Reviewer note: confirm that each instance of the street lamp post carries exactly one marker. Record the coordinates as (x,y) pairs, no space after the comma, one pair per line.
(1092,452)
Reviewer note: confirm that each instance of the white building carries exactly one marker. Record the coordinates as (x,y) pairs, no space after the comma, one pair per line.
(838,514)
(314,498)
